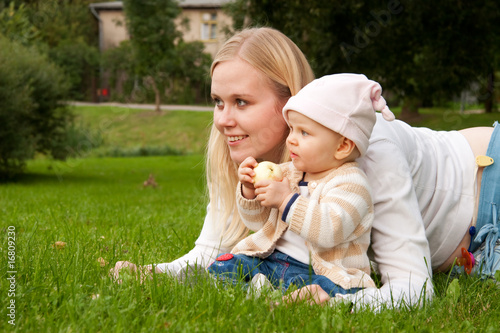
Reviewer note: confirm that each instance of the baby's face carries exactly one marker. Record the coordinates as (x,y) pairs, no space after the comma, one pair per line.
(312,146)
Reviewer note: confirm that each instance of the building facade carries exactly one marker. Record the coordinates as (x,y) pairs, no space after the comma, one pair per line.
(206,23)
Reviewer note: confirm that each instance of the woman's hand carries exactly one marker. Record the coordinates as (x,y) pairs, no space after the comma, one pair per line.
(312,294)
(141,272)
(245,176)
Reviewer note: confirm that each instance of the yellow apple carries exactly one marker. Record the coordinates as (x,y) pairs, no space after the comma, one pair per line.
(267,171)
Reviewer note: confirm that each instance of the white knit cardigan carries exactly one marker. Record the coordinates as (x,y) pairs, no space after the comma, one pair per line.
(335,220)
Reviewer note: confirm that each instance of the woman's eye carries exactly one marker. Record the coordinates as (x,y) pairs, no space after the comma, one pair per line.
(218,102)
(241,102)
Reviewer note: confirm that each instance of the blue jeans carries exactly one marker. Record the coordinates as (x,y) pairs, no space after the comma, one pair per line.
(280,269)
(485,243)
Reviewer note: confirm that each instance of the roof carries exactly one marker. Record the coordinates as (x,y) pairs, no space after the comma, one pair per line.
(202,3)
(182,4)
(107,5)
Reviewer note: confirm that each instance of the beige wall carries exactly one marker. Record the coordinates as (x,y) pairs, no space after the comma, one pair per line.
(114,30)
(195,17)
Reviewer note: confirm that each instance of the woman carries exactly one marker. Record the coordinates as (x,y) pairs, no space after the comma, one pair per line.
(253,75)
(423,184)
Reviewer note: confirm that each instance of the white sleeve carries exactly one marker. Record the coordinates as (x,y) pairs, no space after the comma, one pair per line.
(398,240)
(206,249)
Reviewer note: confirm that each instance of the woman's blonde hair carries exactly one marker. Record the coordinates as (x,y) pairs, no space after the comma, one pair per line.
(279,59)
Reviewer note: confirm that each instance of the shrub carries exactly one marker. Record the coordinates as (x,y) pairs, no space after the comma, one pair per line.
(142,151)
(79,140)
(32,118)
(80,63)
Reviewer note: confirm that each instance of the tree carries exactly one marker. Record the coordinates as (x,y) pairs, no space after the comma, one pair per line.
(15,24)
(438,50)
(119,63)
(68,28)
(318,27)
(32,118)
(153,36)
(191,71)
(421,50)
(62,29)
(80,63)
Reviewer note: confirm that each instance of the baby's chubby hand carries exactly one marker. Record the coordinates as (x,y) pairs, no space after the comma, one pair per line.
(274,194)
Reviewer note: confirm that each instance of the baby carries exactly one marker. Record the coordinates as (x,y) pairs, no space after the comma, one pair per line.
(313,227)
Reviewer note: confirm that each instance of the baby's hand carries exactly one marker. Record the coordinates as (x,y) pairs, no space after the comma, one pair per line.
(245,176)
(273,194)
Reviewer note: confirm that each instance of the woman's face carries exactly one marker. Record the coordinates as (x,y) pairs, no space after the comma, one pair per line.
(247,112)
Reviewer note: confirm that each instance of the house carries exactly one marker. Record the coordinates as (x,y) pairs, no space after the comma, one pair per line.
(206,23)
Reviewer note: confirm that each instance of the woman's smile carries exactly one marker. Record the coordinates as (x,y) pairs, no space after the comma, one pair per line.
(236,139)
(247,111)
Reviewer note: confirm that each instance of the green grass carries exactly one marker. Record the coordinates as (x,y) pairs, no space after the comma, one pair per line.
(125,131)
(101,209)
(450,118)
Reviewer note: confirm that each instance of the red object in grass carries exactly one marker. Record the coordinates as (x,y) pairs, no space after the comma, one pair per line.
(467,261)
(225,257)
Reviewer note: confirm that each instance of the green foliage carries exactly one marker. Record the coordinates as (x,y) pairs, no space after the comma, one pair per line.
(64,20)
(33,120)
(65,30)
(79,140)
(162,62)
(454,46)
(80,63)
(69,30)
(129,86)
(188,82)
(141,151)
(15,24)
(422,51)
(153,34)
(190,74)
(453,292)
(120,68)
(319,28)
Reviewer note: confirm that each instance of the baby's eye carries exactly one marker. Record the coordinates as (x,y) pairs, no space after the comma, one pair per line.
(304,133)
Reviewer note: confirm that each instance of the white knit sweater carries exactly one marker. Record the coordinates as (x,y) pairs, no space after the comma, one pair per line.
(335,221)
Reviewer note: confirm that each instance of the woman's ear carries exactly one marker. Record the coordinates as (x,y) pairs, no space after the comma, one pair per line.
(345,148)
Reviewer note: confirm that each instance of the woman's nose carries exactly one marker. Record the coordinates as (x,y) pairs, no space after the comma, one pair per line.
(225,118)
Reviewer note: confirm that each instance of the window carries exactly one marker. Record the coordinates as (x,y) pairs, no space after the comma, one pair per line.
(209,26)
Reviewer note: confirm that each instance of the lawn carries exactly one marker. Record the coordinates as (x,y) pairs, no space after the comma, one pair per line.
(450,118)
(128,131)
(100,208)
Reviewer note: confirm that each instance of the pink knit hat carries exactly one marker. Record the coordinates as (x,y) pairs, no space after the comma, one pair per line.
(344,103)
